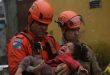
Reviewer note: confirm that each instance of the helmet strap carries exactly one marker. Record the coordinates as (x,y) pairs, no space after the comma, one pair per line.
(29,26)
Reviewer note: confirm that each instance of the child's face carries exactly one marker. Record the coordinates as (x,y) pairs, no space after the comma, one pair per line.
(67,48)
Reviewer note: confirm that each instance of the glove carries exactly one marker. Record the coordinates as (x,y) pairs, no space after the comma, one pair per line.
(62,69)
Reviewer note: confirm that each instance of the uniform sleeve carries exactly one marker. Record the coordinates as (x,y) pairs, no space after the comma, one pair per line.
(96,70)
(55,43)
(54,46)
(16,51)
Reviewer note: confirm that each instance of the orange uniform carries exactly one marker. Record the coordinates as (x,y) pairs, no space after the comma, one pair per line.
(19,47)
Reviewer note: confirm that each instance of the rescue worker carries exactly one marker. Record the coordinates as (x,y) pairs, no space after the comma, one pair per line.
(70,22)
(26,43)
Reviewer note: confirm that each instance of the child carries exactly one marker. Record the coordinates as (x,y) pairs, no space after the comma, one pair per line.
(65,56)
(48,68)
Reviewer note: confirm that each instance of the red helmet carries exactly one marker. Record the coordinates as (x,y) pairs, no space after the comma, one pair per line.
(40,11)
(69,19)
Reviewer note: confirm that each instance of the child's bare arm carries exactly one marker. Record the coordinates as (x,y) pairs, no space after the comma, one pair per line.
(25,62)
(19,71)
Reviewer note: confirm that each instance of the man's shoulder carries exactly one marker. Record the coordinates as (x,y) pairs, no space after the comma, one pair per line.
(50,37)
(86,45)
(53,41)
(20,36)
(19,39)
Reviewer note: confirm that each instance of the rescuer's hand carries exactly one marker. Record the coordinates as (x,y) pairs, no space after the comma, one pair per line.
(81,69)
(19,71)
(62,69)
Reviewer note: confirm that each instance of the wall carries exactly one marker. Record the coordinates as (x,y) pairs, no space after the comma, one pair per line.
(96,20)
(2,29)
(22,8)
